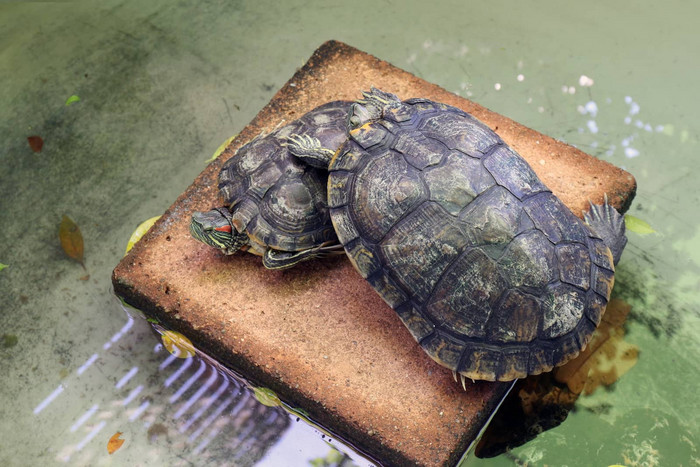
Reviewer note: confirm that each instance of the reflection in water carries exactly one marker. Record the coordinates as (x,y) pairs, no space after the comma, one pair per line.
(539,403)
(199,410)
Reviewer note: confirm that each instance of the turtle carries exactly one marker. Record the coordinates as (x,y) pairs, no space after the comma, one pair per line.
(275,205)
(491,273)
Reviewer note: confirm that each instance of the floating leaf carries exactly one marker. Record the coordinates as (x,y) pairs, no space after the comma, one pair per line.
(221,149)
(35,142)
(607,356)
(72,99)
(637,225)
(153,320)
(267,397)
(114,442)
(3,266)
(140,232)
(177,344)
(71,240)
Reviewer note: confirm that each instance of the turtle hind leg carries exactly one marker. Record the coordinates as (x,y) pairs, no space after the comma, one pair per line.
(609,225)
(280,259)
(310,150)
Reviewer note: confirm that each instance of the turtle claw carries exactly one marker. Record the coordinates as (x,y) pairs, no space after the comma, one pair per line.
(454,375)
(464,383)
(309,149)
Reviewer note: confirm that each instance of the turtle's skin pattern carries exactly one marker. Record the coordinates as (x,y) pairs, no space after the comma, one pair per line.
(277,199)
(491,273)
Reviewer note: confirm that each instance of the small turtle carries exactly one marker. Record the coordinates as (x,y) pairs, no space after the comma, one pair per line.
(492,274)
(274,204)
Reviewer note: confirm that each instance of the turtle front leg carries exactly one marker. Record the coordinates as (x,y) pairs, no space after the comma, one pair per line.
(609,225)
(310,150)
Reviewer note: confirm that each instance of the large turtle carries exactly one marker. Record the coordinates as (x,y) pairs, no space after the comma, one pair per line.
(492,274)
(274,204)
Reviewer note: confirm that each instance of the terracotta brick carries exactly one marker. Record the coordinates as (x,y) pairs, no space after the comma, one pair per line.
(318,334)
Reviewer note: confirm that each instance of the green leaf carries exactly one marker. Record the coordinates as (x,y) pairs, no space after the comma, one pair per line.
(221,149)
(72,99)
(637,225)
(266,397)
(3,266)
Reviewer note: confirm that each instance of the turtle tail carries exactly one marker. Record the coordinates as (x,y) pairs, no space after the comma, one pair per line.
(609,225)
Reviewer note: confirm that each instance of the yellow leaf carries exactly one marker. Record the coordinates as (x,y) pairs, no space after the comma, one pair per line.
(114,443)
(637,225)
(177,344)
(266,397)
(71,240)
(221,149)
(140,232)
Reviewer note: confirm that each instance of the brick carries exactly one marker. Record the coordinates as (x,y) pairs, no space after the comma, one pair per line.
(318,334)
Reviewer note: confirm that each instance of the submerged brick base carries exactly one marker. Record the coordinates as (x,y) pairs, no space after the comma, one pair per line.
(318,334)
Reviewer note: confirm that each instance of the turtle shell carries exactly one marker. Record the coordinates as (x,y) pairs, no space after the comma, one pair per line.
(492,274)
(279,200)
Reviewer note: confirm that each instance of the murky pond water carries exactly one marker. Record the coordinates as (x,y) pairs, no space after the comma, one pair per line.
(162,85)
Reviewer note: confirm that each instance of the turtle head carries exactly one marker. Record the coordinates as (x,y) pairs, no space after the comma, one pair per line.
(371,107)
(215,228)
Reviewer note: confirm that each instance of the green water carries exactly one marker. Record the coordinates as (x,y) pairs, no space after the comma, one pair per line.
(162,84)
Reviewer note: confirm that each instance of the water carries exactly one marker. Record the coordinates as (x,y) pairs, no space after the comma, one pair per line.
(162,85)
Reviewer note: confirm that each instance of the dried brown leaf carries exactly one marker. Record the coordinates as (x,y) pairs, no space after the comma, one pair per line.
(114,442)
(71,240)
(35,142)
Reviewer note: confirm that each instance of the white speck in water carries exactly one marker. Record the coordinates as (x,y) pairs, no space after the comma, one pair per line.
(631,152)
(628,120)
(520,77)
(540,109)
(592,108)
(572,90)
(659,128)
(497,86)
(647,127)
(565,89)
(628,100)
(411,58)
(469,94)
(626,142)
(464,50)
(520,64)
(634,108)
(529,100)
(427,44)
(585,81)
(594,144)
(581,109)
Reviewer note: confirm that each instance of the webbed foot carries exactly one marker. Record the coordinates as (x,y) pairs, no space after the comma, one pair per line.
(310,150)
(609,225)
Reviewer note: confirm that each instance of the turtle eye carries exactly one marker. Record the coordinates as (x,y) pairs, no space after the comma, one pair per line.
(224,228)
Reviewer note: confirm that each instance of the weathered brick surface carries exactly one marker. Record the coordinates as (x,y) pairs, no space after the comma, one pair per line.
(318,334)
